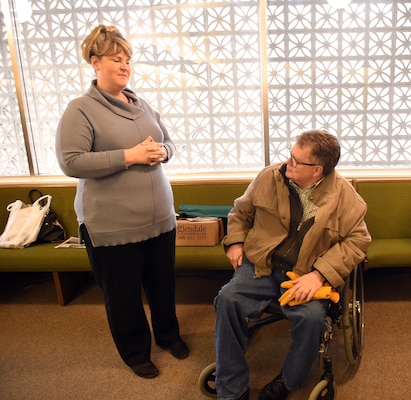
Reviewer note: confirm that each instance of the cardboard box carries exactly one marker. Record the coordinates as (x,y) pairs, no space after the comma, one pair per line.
(199,231)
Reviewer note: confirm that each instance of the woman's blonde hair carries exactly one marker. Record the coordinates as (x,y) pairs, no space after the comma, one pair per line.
(103,41)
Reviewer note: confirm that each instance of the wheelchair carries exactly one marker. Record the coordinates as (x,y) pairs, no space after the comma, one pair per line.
(347,315)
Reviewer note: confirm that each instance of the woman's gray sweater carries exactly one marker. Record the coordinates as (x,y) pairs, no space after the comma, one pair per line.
(118,205)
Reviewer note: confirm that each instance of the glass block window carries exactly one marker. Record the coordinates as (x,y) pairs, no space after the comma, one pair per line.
(198,63)
(347,71)
(202,65)
(13,156)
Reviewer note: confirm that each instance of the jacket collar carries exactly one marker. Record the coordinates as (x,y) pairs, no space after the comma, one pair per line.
(322,190)
(131,110)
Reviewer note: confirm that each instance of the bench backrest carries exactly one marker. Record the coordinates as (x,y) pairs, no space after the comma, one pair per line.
(63,199)
(389,208)
(388,216)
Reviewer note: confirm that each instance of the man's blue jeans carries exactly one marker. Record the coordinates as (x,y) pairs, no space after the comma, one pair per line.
(246,296)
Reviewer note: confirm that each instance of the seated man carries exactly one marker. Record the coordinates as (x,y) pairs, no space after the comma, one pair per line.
(299,215)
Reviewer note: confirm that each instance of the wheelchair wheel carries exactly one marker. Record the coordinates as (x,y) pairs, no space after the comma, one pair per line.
(206,381)
(353,315)
(322,392)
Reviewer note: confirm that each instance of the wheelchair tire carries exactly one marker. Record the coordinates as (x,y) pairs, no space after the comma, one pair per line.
(353,315)
(206,381)
(321,392)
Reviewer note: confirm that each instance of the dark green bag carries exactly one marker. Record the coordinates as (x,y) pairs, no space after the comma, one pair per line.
(196,210)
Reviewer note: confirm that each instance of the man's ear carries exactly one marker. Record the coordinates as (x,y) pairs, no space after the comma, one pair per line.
(318,171)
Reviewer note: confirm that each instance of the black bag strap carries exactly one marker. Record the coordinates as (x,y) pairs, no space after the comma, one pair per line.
(34,195)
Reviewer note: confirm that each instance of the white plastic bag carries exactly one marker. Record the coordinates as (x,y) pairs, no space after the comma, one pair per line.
(24,222)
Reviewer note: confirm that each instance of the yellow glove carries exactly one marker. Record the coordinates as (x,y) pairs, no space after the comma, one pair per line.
(289,284)
(324,292)
(285,298)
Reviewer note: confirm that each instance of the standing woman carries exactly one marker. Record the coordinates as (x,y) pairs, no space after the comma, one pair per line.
(114,142)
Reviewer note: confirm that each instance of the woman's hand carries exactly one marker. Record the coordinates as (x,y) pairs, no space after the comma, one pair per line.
(147,152)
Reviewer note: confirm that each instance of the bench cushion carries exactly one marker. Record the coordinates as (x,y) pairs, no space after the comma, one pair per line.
(389,253)
(43,258)
(202,258)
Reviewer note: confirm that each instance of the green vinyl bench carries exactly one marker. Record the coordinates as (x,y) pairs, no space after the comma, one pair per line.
(68,265)
(388,219)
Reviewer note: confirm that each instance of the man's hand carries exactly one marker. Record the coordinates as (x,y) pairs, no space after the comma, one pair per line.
(235,254)
(302,289)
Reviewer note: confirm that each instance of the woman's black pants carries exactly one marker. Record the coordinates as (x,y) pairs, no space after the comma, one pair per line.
(122,272)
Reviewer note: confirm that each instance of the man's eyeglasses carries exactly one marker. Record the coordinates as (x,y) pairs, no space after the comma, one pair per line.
(296,163)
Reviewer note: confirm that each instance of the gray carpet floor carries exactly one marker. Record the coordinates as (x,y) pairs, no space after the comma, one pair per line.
(53,352)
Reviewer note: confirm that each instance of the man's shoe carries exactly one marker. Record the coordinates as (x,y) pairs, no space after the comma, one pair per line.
(178,349)
(275,390)
(145,370)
